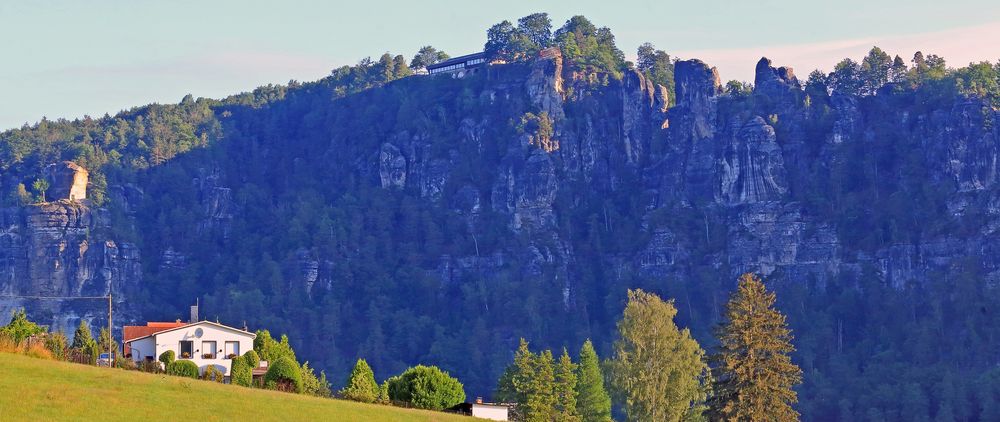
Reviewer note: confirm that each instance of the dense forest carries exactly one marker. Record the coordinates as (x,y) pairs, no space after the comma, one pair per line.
(409,219)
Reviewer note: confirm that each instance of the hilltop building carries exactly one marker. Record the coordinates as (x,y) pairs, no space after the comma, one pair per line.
(458,66)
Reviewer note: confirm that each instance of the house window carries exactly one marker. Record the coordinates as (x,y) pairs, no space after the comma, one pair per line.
(232,349)
(208,350)
(187,349)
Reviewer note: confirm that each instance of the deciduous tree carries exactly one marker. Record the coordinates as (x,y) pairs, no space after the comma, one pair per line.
(658,371)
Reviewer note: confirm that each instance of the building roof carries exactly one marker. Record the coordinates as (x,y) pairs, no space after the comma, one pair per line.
(456,60)
(130,332)
(225,327)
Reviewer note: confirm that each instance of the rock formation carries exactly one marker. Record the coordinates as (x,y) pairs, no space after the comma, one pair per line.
(67,180)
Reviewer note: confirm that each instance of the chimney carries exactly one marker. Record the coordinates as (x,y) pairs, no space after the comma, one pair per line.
(479,400)
(194,312)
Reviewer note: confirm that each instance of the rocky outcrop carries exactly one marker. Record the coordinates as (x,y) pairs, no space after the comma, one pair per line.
(973,145)
(775,83)
(697,86)
(751,168)
(67,180)
(51,253)
(545,83)
(391,167)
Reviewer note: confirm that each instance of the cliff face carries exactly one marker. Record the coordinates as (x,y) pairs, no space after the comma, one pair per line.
(388,223)
(60,249)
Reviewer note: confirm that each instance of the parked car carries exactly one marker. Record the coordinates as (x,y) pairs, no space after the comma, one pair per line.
(103,360)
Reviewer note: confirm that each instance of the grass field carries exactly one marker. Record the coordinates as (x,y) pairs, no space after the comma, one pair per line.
(41,390)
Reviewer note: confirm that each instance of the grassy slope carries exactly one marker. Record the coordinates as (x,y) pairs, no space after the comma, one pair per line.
(35,389)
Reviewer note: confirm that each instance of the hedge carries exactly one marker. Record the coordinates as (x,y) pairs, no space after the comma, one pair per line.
(167,358)
(183,368)
(284,375)
(252,359)
(240,373)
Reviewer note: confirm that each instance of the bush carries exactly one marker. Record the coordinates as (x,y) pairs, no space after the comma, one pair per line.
(57,343)
(38,350)
(167,358)
(361,384)
(7,344)
(426,387)
(240,373)
(20,328)
(150,366)
(252,359)
(213,373)
(183,368)
(283,375)
(126,364)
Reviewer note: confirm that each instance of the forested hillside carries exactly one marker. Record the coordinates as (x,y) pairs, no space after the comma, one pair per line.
(410,218)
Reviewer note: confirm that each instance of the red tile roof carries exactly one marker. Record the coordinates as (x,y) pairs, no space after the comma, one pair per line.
(130,332)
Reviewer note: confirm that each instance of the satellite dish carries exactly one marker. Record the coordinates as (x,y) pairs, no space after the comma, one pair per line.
(198,332)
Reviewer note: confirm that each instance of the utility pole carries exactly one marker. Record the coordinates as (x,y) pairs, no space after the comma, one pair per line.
(111,334)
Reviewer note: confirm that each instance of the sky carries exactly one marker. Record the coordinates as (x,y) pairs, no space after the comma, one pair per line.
(67,59)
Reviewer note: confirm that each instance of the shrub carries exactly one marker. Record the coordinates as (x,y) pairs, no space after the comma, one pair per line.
(240,372)
(150,366)
(361,384)
(38,350)
(213,373)
(167,358)
(126,363)
(252,359)
(7,344)
(57,343)
(183,368)
(20,328)
(426,387)
(283,375)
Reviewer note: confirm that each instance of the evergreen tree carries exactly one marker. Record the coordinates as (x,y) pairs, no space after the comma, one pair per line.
(105,342)
(84,343)
(361,385)
(82,336)
(658,370)
(565,390)
(753,370)
(593,403)
(531,383)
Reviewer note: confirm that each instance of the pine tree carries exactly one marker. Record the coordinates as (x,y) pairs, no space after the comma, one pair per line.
(361,385)
(82,336)
(84,343)
(531,383)
(593,403)
(753,370)
(565,390)
(658,370)
(105,342)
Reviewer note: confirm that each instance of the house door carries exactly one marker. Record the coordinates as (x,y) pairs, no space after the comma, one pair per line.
(232,348)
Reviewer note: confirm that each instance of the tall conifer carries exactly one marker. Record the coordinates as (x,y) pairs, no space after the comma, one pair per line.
(753,370)
(593,403)
(565,389)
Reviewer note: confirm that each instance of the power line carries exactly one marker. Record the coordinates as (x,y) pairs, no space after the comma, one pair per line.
(50,297)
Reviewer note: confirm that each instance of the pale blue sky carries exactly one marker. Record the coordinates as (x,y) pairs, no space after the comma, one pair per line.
(71,58)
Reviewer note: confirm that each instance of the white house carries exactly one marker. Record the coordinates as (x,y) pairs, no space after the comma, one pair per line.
(204,343)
